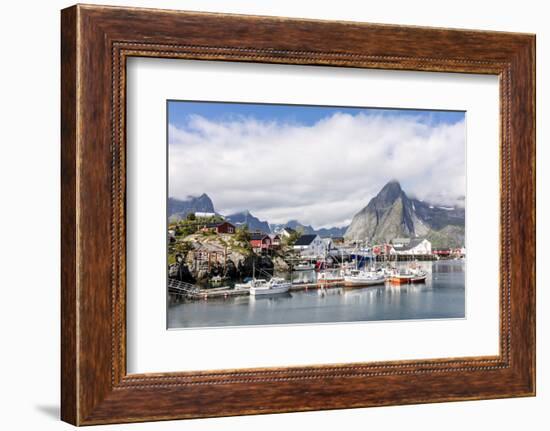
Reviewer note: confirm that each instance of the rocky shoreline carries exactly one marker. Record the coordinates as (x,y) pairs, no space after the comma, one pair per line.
(202,258)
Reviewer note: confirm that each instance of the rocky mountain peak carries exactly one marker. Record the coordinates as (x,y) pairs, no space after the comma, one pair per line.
(392,214)
(245,217)
(390,192)
(179,208)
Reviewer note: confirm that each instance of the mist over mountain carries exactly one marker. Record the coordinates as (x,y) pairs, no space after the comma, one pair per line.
(392,214)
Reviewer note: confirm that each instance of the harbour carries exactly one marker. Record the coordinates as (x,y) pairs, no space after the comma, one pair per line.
(441,296)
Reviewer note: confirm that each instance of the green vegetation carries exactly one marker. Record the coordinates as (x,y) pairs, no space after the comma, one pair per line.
(242,234)
(185,230)
(240,241)
(191,224)
(292,238)
(179,247)
(448,237)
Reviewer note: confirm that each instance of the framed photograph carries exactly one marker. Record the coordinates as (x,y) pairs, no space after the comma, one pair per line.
(267,215)
(295,242)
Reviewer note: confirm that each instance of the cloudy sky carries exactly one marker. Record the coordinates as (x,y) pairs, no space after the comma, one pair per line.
(319,165)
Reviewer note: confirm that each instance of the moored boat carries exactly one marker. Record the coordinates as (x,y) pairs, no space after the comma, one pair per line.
(415,275)
(364,278)
(400,278)
(247,285)
(274,286)
(419,278)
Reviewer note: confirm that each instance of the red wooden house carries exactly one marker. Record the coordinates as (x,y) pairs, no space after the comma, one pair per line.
(220,227)
(260,241)
(383,250)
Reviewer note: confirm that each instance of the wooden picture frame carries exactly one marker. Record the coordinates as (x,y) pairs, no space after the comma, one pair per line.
(95,43)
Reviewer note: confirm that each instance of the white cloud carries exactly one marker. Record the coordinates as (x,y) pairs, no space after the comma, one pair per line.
(320,174)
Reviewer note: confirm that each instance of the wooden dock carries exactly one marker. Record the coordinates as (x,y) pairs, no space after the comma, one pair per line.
(307,286)
(179,290)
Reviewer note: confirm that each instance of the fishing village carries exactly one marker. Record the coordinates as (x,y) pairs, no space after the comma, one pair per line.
(210,257)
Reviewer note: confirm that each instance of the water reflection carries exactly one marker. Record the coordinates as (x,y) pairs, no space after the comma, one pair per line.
(442,296)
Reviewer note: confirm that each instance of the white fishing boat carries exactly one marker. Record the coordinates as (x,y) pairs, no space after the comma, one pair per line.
(418,275)
(409,275)
(273,287)
(247,285)
(260,286)
(364,278)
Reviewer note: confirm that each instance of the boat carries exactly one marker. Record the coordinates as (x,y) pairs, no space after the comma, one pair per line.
(407,276)
(418,275)
(364,278)
(401,278)
(248,284)
(421,278)
(274,286)
(260,286)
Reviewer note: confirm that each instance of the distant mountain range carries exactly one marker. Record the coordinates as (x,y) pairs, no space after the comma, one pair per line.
(308,229)
(179,209)
(246,218)
(392,214)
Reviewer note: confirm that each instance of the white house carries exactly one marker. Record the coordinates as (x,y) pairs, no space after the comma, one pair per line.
(415,246)
(310,245)
(204,214)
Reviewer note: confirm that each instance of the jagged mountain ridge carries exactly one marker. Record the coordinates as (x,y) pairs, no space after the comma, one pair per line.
(245,217)
(308,229)
(178,209)
(392,214)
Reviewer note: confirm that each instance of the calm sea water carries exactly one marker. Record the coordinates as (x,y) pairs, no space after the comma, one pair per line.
(441,297)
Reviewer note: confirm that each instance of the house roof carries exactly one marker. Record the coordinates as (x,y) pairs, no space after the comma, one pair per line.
(215,224)
(412,244)
(257,236)
(400,240)
(305,239)
(288,229)
(219,223)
